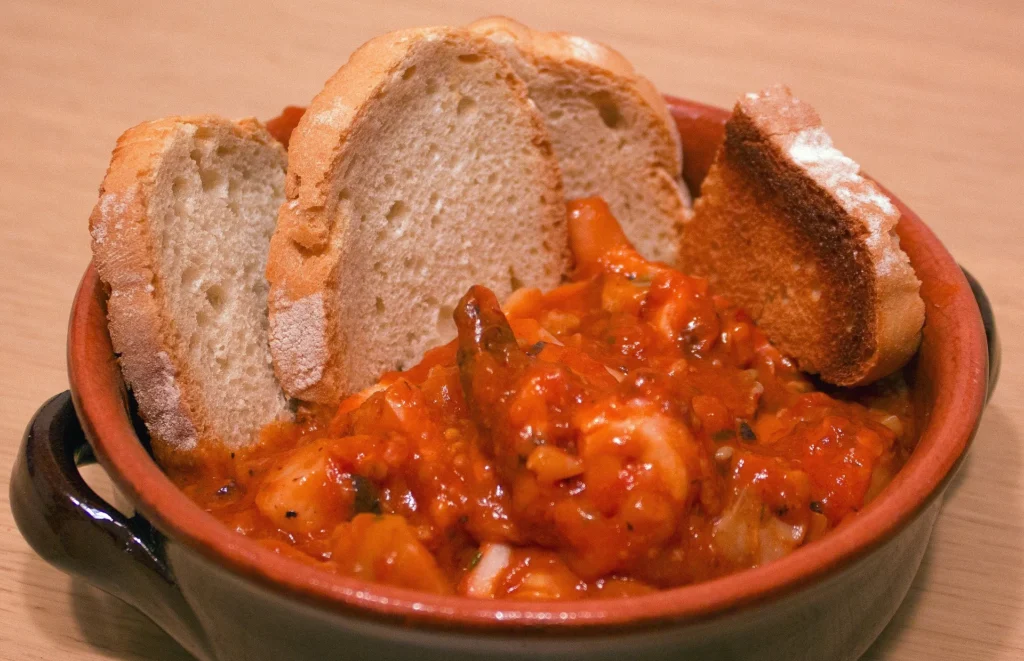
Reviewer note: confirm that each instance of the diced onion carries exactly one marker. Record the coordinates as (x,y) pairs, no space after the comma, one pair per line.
(482,580)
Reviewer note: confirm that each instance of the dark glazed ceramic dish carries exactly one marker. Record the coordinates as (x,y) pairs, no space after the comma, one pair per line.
(225,597)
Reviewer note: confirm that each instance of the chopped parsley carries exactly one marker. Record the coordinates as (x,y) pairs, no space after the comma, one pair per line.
(746,433)
(367,499)
(475,560)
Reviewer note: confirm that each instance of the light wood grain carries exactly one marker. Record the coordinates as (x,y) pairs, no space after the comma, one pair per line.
(926,94)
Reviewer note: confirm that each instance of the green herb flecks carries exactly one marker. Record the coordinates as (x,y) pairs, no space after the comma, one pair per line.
(367,499)
(536,348)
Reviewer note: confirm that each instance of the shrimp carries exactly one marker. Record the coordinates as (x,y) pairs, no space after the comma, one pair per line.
(748,533)
(305,493)
(385,548)
(637,431)
(491,564)
(520,574)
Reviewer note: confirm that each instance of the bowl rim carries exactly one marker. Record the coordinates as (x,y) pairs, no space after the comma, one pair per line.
(957,390)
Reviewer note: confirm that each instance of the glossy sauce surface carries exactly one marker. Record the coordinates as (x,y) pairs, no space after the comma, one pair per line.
(625,432)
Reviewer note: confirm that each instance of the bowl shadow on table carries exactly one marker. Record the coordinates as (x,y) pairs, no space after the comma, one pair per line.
(996,436)
(103,621)
(147,640)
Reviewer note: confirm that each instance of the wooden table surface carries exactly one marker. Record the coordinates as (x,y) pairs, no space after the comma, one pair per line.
(925,94)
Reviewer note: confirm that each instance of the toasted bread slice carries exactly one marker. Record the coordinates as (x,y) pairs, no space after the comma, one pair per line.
(788,228)
(610,127)
(180,236)
(421,169)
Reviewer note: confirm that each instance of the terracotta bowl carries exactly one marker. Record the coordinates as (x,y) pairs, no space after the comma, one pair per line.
(222,596)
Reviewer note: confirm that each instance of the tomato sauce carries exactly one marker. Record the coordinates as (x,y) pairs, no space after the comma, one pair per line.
(625,432)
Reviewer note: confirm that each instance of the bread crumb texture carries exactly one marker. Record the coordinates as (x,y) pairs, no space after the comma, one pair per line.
(610,128)
(180,234)
(421,169)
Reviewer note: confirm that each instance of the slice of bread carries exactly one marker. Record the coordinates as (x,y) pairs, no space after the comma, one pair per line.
(180,236)
(421,169)
(610,127)
(787,228)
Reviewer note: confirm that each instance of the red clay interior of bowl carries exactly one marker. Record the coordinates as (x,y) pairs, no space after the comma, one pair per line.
(949,380)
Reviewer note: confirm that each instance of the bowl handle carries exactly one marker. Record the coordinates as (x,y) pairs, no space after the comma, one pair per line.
(75,530)
(988,318)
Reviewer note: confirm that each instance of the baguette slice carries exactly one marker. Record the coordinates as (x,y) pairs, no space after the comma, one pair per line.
(610,127)
(180,236)
(788,228)
(421,169)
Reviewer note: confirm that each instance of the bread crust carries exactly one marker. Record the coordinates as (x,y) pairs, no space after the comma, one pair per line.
(787,228)
(142,334)
(306,325)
